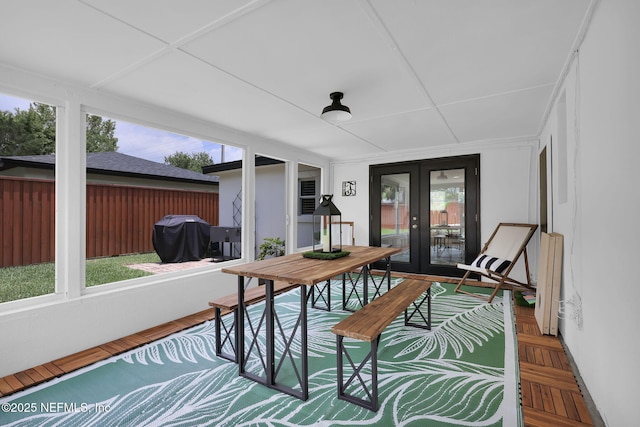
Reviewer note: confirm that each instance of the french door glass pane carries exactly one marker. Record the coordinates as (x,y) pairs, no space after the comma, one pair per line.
(447,244)
(394,214)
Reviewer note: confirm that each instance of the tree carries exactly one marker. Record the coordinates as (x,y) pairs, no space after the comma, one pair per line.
(192,161)
(8,133)
(33,132)
(100,135)
(28,132)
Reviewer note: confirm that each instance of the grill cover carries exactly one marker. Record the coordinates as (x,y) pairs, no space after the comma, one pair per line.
(180,238)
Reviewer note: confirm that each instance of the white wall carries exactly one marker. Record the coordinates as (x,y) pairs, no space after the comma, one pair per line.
(62,326)
(599,219)
(270,203)
(353,208)
(507,187)
(230,184)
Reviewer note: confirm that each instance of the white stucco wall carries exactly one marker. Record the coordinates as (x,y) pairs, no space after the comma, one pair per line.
(598,219)
(229,185)
(270,201)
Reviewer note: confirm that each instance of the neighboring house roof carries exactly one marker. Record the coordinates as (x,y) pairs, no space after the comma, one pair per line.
(237,164)
(114,163)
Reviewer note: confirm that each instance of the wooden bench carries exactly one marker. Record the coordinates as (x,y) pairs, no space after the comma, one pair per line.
(229,303)
(368,323)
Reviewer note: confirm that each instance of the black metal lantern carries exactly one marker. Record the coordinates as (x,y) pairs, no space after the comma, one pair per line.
(327,227)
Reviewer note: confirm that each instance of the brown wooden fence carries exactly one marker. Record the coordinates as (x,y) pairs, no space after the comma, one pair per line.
(27,231)
(389,216)
(120,218)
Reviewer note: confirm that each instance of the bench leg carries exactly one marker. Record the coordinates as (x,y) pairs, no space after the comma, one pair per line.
(424,322)
(371,400)
(240,325)
(222,339)
(254,349)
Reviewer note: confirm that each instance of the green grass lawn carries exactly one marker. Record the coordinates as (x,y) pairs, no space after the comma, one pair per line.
(39,279)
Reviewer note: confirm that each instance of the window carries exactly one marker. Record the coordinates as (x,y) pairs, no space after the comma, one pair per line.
(136,177)
(308,197)
(27,204)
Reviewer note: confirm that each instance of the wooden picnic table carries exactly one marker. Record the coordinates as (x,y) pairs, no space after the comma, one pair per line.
(295,269)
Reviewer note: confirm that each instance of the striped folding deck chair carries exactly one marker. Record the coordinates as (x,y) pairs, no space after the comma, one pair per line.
(499,256)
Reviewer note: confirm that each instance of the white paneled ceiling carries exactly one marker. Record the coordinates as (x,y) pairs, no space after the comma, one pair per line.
(415,73)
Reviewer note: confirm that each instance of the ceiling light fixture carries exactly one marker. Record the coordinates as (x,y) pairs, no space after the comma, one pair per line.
(442,175)
(336,112)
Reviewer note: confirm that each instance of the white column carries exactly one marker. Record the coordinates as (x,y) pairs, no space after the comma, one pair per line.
(249,204)
(291,194)
(70,199)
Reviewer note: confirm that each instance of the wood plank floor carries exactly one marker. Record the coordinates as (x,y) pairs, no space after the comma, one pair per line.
(22,380)
(550,392)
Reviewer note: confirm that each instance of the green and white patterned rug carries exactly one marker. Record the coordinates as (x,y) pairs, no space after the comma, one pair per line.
(462,372)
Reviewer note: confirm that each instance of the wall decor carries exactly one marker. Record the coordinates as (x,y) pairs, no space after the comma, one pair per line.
(348,188)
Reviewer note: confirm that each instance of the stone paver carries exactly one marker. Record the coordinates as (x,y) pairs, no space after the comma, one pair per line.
(161,267)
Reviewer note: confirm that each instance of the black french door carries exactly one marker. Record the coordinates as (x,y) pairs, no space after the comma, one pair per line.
(429,208)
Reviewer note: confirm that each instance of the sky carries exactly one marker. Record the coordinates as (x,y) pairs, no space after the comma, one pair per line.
(145,142)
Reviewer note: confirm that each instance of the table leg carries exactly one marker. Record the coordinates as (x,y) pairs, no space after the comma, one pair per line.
(347,278)
(377,286)
(270,344)
(270,361)
(240,326)
(324,294)
(388,259)
(365,285)
(301,389)
(304,345)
